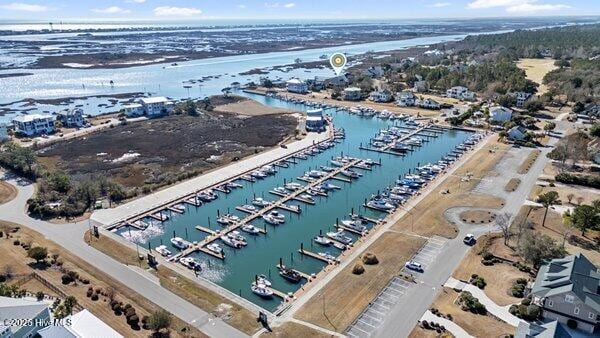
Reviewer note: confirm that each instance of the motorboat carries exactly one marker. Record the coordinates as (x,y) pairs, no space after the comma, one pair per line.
(290,274)
(248,178)
(215,247)
(280,190)
(315,173)
(207,196)
(350,173)
(258,174)
(233,185)
(380,204)
(271,220)
(190,263)
(235,235)
(260,202)
(340,237)
(180,243)
(277,215)
(163,251)
(328,186)
(223,220)
(307,197)
(327,169)
(328,256)
(261,290)
(336,163)
(355,225)
(251,229)
(262,279)
(322,240)
(293,186)
(231,242)
(269,170)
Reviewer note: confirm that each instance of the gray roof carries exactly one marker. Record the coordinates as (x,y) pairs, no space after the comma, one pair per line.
(548,330)
(20,308)
(570,274)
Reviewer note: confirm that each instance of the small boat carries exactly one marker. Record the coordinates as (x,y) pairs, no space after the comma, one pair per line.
(315,174)
(207,196)
(261,290)
(190,263)
(328,186)
(251,229)
(260,202)
(248,178)
(179,243)
(336,163)
(293,186)
(215,247)
(328,256)
(258,174)
(235,235)
(277,215)
(233,185)
(163,251)
(231,242)
(290,274)
(223,220)
(249,208)
(380,204)
(327,169)
(271,220)
(281,190)
(350,173)
(262,279)
(340,237)
(355,225)
(323,240)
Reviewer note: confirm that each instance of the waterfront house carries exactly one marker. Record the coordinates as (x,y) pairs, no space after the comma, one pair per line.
(24,309)
(568,290)
(34,124)
(4,133)
(429,104)
(374,72)
(315,122)
(352,94)
(460,93)
(521,98)
(296,86)
(517,133)
(381,96)
(337,81)
(72,118)
(82,324)
(156,106)
(420,86)
(133,110)
(405,99)
(499,114)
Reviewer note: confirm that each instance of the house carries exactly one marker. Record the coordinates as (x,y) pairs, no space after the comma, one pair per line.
(296,86)
(404,63)
(381,96)
(568,290)
(458,67)
(374,71)
(72,118)
(156,105)
(4,133)
(337,81)
(420,86)
(517,133)
(133,110)
(546,330)
(521,98)
(352,94)
(315,122)
(499,114)
(429,104)
(20,308)
(82,324)
(317,83)
(34,124)
(461,93)
(405,99)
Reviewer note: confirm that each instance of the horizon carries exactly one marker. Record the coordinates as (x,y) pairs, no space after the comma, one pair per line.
(251,10)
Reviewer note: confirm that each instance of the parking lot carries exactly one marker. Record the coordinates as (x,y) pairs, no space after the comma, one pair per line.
(368,322)
(427,254)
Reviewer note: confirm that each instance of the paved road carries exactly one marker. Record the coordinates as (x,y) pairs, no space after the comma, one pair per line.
(400,321)
(70,237)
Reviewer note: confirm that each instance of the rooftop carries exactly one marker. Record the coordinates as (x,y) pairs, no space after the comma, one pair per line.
(83,324)
(155,99)
(32,117)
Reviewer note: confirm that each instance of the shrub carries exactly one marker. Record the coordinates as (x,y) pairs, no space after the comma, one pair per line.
(425,324)
(370,259)
(95,297)
(585,180)
(521,281)
(526,301)
(16,242)
(90,292)
(66,279)
(358,269)
(129,312)
(470,303)
(478,282)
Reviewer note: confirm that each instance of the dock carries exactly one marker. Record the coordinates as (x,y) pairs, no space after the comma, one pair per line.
(302,274)
(192,201)
(343,179)
(343,227)
(286,207)
(314,255)
(206,230)
(422,131)
(242,209)
(176,210)
(153,215)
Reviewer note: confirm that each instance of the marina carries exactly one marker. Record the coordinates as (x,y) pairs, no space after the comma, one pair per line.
(253,229)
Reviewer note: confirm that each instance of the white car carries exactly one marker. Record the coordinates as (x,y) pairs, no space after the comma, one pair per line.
(414,266)
(469,239)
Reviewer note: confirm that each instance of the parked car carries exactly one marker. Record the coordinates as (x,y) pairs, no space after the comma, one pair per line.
(469,239)
(283,146)
(414,266)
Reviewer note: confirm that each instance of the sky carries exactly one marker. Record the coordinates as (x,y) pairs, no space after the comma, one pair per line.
(122,10)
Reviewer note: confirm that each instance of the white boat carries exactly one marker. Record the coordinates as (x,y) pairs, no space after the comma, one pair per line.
(235,235)
(380,204)
(336,163)
(262,279)
(340,237)
(214,247)
(323,240)
(262,290)
(271,220)
(355,225)
(223,220)
(260,202)
(281,190)
(293,186)
(277,215)
(328,256)
(258,174)
(315,173)
(350,173)
(163,251)
(179,243)
(307,197)
(231,242)
(251,229)
(249,208)
(190,263)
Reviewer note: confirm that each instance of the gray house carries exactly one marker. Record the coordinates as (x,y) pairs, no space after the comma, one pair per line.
(568,290)
(19,308)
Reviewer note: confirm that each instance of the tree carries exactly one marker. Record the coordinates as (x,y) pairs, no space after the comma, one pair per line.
(547,199)
(535,248)
(503,222)
(159,320)
(533,106)
(585,217)
(69,304)
(549,126)
(570,197)
(38,253)
(595,130)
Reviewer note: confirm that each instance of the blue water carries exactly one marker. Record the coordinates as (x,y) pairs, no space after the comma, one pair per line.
(261,255)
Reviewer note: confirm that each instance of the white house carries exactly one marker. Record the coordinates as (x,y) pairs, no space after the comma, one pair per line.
(405,99)
(381,96)
(156,106)
(83,324)
(34,124)
(296,86)
(314,120)
(461,93)
(72,118)
(499,114)
(19,308)
(429,104)
(3,133)
(133,110)
(352,94)
(521,98)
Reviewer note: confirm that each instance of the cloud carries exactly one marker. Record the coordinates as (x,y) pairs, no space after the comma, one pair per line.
(241,6)
(111,10)
(516,6)
(440,4)
(278,5)
(290,5)
(23,7)
(176,11)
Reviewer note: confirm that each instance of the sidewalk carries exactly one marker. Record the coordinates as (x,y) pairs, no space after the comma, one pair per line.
(451,326)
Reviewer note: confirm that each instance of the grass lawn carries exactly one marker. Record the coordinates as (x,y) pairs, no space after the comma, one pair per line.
(206,299)
(475,324)
(477,216)
(580,194)
(291,329)
(512,185)
(7,192)
(347,295)
(528,162)
(419,332)
(15,257)
(536,69)
(427,218)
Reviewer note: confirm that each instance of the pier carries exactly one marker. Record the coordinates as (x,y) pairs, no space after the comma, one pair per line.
(416,131)
(314,255)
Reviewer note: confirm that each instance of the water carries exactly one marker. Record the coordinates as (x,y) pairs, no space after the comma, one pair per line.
(261,255)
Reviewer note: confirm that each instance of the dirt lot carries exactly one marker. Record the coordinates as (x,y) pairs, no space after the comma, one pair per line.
(202,297)
(536,69)
(251,108)
(352,293)
(15,257)
(7,192)
(475,324)
(419,332)
(429,213)
(528,162)
(291,329)
(130,154)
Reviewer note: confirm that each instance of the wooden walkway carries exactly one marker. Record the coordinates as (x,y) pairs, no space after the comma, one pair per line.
(422,131)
